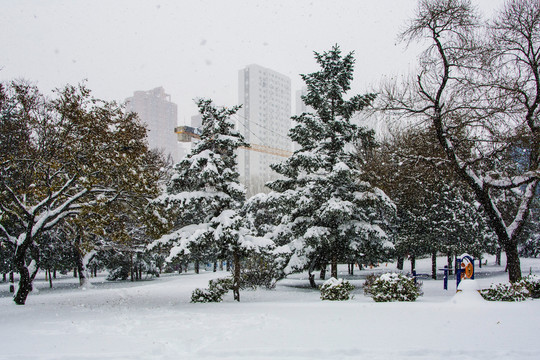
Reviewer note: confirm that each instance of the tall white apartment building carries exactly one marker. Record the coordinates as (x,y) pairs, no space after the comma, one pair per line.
(156,110)
(264,120)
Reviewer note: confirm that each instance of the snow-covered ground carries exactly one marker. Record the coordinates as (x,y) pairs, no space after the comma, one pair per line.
(155,320)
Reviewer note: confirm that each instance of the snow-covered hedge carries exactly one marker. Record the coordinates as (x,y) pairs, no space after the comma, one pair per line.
(505,292)
(216,289)
(392,287)
(334,289)
(532,284)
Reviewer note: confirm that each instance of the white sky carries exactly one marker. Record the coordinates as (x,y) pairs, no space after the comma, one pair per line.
(194,48)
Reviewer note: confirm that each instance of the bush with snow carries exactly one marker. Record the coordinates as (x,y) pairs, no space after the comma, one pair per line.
(532,284)
(216,289)
(505,292)
(259,270)
(392,287)
(334,289)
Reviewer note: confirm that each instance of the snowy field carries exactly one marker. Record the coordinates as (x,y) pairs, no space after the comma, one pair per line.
(155,320)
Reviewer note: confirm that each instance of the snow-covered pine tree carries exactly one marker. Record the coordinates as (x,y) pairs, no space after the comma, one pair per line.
(332,214)
(204,196)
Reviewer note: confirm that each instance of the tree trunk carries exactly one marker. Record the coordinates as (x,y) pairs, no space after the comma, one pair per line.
(450,266)
(311,276)
(334,270)
(400,261)
(512,263)
(77,255)
(498,256)
(4,277)
(434,265)
(25,285)
(131,270)
(236,277)
(196,266)
(215,266)
(35,263)
(413,263)
(352,269)
(50,277)
(54,273)
(322,275)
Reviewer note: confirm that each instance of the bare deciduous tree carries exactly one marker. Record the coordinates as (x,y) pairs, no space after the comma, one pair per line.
(478,86)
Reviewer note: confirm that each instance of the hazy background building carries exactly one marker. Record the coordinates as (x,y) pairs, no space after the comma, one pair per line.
(264,120)
(155,108)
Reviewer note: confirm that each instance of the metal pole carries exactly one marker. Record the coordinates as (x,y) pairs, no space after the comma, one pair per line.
(458,272)
(445,279)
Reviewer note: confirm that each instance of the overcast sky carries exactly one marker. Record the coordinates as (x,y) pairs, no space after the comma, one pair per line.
(195,48)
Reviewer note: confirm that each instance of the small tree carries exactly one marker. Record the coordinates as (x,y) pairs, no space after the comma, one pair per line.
(204,197)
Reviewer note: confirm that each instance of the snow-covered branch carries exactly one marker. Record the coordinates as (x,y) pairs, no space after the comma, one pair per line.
(53,196)
(8,236)
(523,209)
(511,182)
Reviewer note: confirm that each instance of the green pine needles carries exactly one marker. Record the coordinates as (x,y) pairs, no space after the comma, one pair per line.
(329,212)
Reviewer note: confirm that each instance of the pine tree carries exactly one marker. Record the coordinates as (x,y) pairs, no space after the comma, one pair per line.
(330,213)
(204,196)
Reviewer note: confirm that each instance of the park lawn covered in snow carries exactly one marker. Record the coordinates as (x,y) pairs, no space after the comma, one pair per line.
(155,320)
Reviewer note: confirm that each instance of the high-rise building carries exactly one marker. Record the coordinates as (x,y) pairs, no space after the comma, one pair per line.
(264,120)
(155,108)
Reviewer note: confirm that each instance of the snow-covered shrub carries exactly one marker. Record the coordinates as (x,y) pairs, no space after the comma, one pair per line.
(259,270)
(216,289)
(505,292)
(334,289)
(392,287)
(119,273)
(532,284)
(369,282)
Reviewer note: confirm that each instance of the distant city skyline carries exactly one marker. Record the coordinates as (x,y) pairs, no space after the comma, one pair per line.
(194,49)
